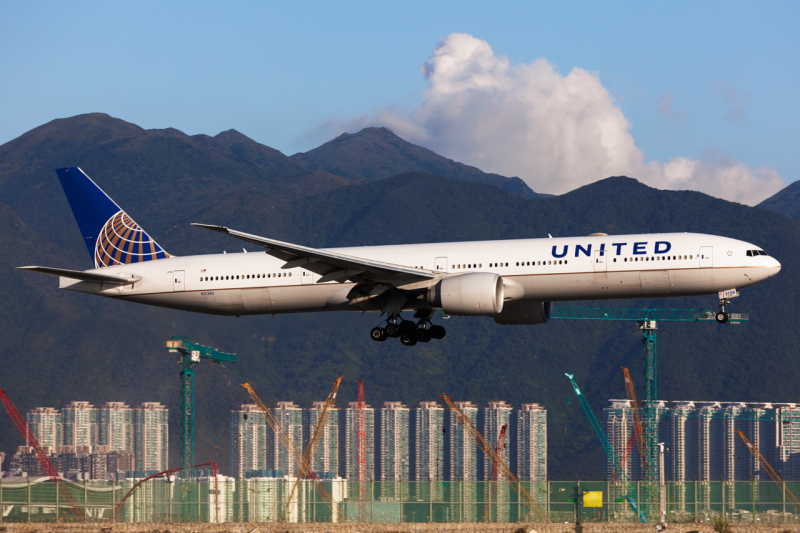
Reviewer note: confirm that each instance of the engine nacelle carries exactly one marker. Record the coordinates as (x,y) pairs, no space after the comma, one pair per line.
(524,313)
(474,294)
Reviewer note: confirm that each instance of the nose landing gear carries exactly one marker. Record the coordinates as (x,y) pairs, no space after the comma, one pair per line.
(410,333)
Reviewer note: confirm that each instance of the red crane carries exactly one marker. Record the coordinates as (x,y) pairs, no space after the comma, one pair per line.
(41,456)
(361,452)
(501,445)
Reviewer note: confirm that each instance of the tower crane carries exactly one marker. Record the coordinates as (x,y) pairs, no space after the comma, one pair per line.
(487,449)
(361,452)
(189,354)
(501,445)
(308,457)
(646,320)
(41,456)
(292,449)
(772,473)
(612,457)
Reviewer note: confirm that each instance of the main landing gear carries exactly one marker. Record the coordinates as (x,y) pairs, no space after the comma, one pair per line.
(410,332)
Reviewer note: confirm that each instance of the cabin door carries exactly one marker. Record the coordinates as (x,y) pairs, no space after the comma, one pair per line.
(600,261)
(441,264)
(706,256)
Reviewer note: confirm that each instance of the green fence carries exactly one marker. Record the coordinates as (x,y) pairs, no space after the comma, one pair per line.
(272,500)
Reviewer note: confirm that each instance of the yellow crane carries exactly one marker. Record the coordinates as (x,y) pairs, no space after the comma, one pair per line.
(487,449)
(291,448)
(772,473)
(307,465)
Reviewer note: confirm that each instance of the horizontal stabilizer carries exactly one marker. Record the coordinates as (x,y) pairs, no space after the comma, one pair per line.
(83,276)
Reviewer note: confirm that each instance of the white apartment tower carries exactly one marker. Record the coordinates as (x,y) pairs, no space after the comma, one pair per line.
(326,453)
(394,442)
(496,415)
(350,471)
(248,440)
(45,424)
(151,436)
(290,418)
(115,426)
(429,442)
(80,425)
(463,450)
(532,442)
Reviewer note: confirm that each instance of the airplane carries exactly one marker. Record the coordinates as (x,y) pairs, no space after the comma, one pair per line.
(512,281)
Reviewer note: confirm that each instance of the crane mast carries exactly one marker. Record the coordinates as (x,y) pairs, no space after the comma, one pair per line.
(487,449)
(772,473)
(308,456)
(290,447)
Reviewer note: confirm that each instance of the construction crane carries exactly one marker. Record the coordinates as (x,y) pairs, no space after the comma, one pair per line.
(308,457)
(189,354)
(501,445)
(612,457)
(647,320)
(292,449)
(490,453)
(637,419)
(772,473)
(41,456)
(361,451)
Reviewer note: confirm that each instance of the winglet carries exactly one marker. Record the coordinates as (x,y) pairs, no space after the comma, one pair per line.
(218,229)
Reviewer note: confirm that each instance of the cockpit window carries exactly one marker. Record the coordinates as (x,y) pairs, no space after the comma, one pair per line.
(755,253)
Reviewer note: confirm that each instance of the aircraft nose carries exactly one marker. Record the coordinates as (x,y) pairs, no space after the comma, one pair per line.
(775,267)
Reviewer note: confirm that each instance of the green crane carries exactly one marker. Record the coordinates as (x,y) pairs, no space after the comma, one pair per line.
(189,354)
(630,495)
(646,320)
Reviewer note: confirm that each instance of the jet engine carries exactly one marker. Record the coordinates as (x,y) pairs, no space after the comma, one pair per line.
(474,294)
(524,313)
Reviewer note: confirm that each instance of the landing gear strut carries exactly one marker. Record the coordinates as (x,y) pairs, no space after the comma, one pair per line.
(721,315)
(410,332)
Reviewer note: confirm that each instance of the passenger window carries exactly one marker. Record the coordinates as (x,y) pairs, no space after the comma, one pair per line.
(480,265)
(690,257)
(290,274)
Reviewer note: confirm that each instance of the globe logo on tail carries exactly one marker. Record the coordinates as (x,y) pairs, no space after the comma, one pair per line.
(122,241)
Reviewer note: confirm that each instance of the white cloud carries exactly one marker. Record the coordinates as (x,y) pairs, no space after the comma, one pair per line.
(665,107)
(557,132)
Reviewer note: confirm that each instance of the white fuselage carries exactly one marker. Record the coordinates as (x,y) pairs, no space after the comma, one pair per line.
(558,269)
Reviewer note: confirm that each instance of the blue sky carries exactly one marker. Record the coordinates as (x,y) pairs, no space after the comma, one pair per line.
(710,80)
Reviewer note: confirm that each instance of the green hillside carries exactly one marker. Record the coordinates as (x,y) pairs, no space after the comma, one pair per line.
(59,346)
(785,201)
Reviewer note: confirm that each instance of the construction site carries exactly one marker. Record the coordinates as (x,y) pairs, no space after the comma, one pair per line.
(309,492)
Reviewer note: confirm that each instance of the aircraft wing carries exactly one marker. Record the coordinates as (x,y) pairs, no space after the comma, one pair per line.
(83,276)
(331,266)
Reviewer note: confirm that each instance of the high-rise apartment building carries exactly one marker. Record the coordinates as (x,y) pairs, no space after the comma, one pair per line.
(429,442)
(350,471)
(532,442)
(248,440)
(151,436)
(79,421)
(394,449)
(115,426)
(326,453)
(45,424)
(463,450)
(703,442)
(496,415)
(290,418)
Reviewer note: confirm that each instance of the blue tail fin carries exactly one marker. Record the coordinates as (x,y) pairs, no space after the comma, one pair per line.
(111,236)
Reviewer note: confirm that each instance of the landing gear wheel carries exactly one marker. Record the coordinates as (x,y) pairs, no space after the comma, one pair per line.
(407,326)
(722,317)
(392,330)
(423,335)
(408,339)
(437,332)
(378,334)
